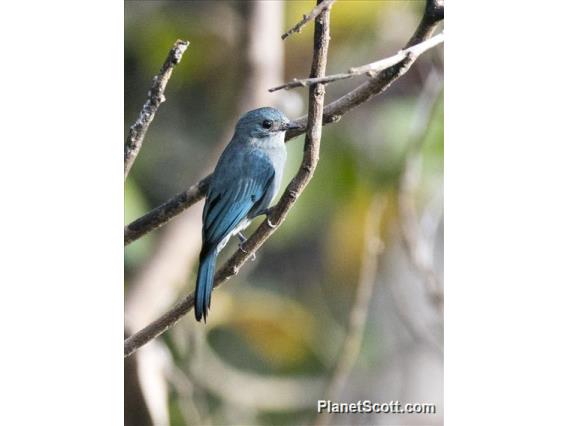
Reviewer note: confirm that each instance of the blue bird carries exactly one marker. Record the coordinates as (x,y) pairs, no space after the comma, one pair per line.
(244,183)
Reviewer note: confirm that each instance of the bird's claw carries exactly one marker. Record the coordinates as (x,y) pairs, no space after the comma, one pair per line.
(267,213)
(242,240)
(253,256)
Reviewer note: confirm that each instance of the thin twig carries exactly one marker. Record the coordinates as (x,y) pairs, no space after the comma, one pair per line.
(351,346)
(371,69)
(155,99)
(279,211)
(332,113)
(307,18)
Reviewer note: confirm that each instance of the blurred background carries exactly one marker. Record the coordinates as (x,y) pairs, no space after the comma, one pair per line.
(345,301)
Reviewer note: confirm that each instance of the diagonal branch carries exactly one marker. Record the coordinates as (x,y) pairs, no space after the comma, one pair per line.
(155,99)
(307,18)
(278,213)
(164,212)
(371,69)
(433,14)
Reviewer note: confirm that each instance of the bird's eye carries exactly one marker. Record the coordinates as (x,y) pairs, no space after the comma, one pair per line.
(267,124)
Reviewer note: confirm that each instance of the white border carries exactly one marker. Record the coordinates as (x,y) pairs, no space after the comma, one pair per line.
(506,179)
(61,177)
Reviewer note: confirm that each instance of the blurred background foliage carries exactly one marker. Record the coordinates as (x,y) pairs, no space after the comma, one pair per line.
(275,330)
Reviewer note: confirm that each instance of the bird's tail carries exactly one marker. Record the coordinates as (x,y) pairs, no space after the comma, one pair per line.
(204,285)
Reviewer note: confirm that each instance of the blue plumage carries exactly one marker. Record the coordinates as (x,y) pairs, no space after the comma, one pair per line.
(204,285)
(245,180)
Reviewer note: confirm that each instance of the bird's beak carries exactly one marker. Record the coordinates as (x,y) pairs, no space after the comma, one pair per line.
(290,126)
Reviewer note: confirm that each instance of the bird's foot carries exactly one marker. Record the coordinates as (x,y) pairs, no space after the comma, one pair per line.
(267,213)
(243,240)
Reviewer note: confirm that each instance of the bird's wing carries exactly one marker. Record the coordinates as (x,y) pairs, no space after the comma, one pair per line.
(232,198)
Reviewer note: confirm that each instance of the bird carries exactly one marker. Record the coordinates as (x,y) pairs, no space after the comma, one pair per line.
(246,179)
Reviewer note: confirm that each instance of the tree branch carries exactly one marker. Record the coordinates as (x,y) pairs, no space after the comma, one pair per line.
(278,213)
(433,14)
(155,99)
(371,69)
(333,112)
(166,211)
(307,18)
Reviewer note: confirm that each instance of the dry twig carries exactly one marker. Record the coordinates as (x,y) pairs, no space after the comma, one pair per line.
(371,69)
(307,18)
(278,213)
(433,14)
(155,99)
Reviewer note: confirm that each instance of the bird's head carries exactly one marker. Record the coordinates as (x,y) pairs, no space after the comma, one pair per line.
(263,123)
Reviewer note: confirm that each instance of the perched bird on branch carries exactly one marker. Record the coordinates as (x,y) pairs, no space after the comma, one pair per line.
(244,183)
